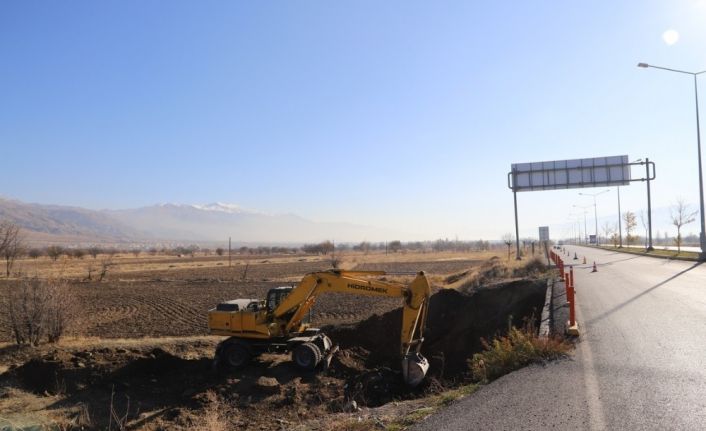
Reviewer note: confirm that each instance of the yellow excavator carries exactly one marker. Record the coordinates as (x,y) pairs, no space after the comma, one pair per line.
(280,322)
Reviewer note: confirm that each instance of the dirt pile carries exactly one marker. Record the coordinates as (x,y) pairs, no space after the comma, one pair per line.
(163,389)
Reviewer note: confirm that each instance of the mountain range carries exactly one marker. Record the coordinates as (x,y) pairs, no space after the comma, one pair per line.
(175,223)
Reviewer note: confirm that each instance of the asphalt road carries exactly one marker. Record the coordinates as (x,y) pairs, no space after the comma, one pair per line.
(640,363)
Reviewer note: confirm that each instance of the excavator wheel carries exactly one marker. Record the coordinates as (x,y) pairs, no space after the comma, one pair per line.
(235,355)
(307,356)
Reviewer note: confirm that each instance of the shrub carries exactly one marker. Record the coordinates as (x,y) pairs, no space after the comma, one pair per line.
(38,309)
(491,270)
(520,347)
(533,267)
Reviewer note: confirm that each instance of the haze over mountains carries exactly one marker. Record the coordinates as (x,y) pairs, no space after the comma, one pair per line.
(176,222)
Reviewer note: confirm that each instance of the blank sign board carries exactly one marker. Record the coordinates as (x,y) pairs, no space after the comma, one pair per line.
(567,174)
(544,233)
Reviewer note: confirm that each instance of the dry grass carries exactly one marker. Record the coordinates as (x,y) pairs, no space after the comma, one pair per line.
(74,268)
(215,416)
(657,252)
(520,347)
(495,269)
(125,264)
(402,415)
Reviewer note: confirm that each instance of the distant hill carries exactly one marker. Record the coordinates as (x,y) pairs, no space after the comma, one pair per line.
(215,222)
(175,222)
(54,223)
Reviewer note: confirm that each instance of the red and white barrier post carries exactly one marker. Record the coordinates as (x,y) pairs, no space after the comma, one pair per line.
(572,327)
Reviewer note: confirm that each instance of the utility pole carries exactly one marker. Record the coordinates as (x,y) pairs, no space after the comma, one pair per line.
(585,225)
(702,235)
(595,211)
(229,259)
(649,206)
(620,221)
(517,229)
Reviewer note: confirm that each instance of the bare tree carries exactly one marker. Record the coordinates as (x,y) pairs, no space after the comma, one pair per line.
(219,251)
(643,222)
(630,224)
(681,215)
(94,252)
(105,266)
(54,252)
(11,245)
(363,246)
(508,239)
(79,253)
(608,231)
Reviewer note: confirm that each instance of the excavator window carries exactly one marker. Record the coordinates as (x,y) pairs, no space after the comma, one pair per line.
(275,297)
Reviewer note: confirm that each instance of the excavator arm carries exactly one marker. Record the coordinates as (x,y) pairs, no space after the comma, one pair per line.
(414,310)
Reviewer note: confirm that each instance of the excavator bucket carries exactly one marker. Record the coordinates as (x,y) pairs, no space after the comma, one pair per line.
(414,368)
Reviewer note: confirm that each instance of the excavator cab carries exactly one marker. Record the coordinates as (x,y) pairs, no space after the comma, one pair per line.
(276,296)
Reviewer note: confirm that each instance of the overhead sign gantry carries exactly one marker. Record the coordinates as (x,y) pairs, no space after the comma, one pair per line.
(576,173)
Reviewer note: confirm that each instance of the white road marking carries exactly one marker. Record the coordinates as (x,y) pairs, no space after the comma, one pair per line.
(595,407)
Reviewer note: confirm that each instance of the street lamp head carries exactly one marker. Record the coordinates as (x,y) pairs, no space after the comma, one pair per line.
(645,65)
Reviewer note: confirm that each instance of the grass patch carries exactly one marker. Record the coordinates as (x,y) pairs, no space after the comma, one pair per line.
(437,402)
(406,420)
(519,348)
(495,269)
(657,252)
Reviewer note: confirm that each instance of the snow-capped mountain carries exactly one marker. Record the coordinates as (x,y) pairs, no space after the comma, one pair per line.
(226,208)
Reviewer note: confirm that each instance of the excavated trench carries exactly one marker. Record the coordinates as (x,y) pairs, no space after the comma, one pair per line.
(456,323)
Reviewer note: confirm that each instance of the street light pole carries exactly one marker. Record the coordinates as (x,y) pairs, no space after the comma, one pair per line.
(576,227)
(649,206)
(620,223)
(702,235)
(595,211)
(585,226)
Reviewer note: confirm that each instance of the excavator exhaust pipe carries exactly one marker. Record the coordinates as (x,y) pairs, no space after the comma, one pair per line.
(414,368)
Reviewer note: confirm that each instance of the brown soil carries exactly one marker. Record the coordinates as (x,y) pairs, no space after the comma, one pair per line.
(167,386)
(174,302)
(168,383)
(430,267)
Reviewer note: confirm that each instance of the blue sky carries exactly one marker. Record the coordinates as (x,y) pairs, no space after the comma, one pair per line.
(402,115)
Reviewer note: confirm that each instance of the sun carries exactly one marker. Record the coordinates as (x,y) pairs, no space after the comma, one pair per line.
(670,37)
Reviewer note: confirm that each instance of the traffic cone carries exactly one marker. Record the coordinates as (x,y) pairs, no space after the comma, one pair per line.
(584,260)
(595,268)
(575,256)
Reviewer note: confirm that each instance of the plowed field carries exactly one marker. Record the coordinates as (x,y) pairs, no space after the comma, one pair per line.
(174,301)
